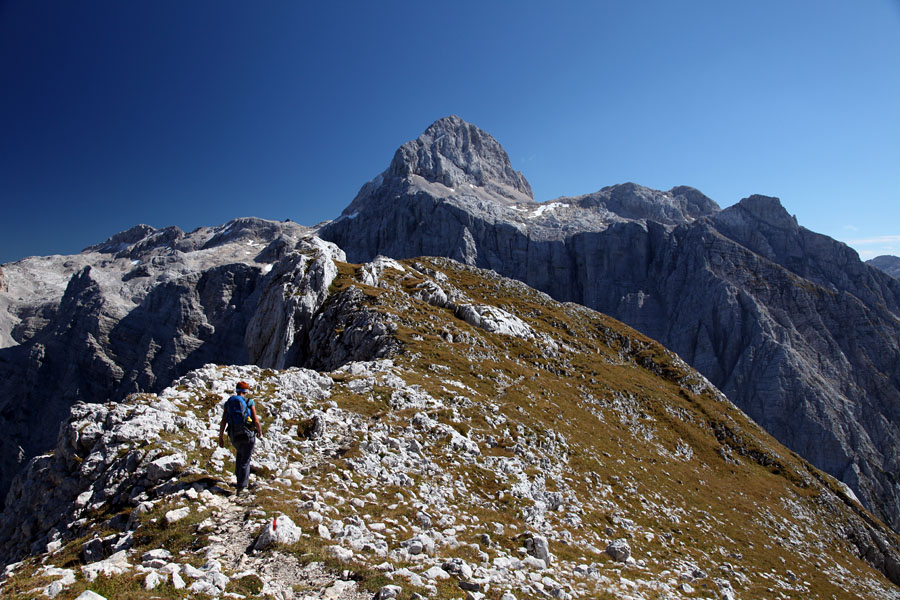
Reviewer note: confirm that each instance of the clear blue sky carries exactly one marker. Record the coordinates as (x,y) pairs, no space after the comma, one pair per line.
(114,113)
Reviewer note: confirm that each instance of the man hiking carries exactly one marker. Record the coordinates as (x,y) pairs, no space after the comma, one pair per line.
(243,427)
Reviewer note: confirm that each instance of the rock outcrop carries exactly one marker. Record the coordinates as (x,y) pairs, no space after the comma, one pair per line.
(790,324)
(146,306)
(580,461)
(888,264)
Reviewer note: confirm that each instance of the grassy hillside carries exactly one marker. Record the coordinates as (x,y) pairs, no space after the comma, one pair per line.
(575,429)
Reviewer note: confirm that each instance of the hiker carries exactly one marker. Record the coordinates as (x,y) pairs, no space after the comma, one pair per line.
(243,425)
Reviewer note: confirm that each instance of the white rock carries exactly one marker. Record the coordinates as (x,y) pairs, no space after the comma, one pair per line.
(204,587)
(435,573)
(139,510)
(177,581)
(725,590)
(157,554)
(342,554)
(493,319)
(153,580)
(218,579)
(83,498)
(370,273)
(54,588)
(388,592)
(165,466)
(89,595)
(279,531)
(192,572)
(67,576)
(419,544)
(177,514)
(540,548)
(338,588)
(114,565)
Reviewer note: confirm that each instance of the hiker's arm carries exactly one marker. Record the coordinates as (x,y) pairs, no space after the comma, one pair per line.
(256,421)
(222,431)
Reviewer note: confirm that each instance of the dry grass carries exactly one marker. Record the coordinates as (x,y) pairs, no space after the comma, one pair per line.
(644,417)
(612,394)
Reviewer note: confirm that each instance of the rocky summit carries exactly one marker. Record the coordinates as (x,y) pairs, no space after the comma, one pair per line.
(788,323)
(498,444)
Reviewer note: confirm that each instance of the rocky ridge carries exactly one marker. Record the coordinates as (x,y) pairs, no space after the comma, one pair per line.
(790,324)
(516,448)
(146,306)
(888,264)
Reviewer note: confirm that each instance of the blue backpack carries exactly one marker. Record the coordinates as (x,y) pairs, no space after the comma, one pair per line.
(237,416)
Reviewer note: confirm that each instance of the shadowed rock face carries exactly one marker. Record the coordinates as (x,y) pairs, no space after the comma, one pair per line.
(146,306)
(790,324)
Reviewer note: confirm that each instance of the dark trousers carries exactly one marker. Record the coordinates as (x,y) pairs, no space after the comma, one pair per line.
(243,447)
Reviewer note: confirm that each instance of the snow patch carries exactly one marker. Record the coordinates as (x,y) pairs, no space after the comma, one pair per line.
(544,208)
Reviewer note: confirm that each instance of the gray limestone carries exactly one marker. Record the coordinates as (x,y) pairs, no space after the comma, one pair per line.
(146,306)
(790,324)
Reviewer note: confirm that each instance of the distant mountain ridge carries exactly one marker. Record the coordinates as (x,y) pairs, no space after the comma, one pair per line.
(790,324)
(887,263)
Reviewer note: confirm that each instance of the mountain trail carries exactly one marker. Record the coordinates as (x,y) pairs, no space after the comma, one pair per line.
(284,576)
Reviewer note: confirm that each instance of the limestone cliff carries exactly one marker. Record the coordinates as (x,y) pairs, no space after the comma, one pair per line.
(146,306)
(790,324)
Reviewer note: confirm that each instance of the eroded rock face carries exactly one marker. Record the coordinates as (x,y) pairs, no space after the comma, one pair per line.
(789,323)
(146,306)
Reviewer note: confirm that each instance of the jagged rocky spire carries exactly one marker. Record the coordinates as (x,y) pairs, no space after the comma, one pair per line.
(458,156)
(456,153)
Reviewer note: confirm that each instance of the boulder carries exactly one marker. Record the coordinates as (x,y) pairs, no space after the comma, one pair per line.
(619,550)
(281,531)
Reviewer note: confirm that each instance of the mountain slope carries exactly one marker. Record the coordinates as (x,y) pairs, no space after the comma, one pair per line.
(790,324)
(508,445)
(144,307)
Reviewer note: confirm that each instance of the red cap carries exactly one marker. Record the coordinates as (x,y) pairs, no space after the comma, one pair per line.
(243,385)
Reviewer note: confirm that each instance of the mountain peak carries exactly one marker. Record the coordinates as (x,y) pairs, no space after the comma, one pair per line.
(769,210)
(455,153)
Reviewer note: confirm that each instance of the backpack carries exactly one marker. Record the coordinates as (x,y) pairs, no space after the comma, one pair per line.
(238,418)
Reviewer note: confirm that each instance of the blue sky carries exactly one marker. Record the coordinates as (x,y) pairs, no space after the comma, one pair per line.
(193,113)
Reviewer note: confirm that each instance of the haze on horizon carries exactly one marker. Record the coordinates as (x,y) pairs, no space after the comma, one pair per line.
(115,114)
